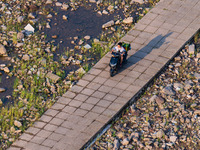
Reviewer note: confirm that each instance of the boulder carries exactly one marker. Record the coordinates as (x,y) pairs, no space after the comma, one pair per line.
(108,24)
(3,51)
(128,20)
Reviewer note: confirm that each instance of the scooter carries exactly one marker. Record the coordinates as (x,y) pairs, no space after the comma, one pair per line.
(115,62)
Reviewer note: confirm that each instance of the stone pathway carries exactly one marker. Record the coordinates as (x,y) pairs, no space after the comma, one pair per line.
(90,104)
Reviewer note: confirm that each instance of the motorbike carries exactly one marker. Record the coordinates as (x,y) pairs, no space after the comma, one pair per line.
(115,62)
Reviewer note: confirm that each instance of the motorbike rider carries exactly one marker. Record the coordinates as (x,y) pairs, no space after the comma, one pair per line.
(119,48)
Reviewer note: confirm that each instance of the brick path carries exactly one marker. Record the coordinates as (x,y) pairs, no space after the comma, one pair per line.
(97,97)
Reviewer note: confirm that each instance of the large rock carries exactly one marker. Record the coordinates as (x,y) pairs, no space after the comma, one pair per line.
(3,51)
(116,144)
(128,20)
(108,24)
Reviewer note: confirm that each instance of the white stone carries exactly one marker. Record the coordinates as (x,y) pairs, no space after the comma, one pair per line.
(87,46)
(159,134)
(65,7)
(87,37)
(29,28)
(173,138)
(6,70)
(49,2)
(58,4)
(64,17)
(49,16)
(104,12)
(17,124)
(137,1)
(92,1)
(108,24)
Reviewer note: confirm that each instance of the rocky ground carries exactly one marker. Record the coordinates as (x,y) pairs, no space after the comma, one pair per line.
(167,116)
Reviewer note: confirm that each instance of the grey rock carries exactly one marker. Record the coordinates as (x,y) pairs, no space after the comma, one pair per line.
(17,124)
(191,49)
(160,133)
(20,36)
(20,19)
(65,7)
(26,57)
(168,90)
(116,144)
(125,141)
(49,2)
(173,138)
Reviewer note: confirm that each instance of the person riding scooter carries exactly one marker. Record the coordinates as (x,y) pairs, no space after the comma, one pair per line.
(121,50)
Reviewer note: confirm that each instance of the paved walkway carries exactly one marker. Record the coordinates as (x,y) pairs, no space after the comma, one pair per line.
(97,97)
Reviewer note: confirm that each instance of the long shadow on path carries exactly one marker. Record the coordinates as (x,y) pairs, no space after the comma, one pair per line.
(155,43)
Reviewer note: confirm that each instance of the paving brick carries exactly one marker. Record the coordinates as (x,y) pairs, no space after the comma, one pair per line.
(45,118)
(151,29)
(69,94)
(26,137)
(103,119)
(85,121)
(58,106)
(94,85)
(94,71)
(104,89)
(39,124)
(104,103)
(145,77)
(49,143)
(75,103)
(56,121)
(140,27)
(51,112)
(38,139)
(134,32)
(55,136)
(50,127)
(140,54)
(67,124)
(34,146)
(81,97)
(116,91)
(44,133)
(109,113)
(134,74)
(80,112)
(139,83)
(64,100)
(74,118)
(115,106)
(156,66)
(151,71)
(69,109)
(32,130)
(127,38)
(98,94)
(139,40)
(91,115)
(76,89)
(61,130)
(98,109)
(145,62)
(87,91)
(121,100)
(128,80)
(62,115)
(122,85)
(92,100)
(83,83)
(105,74)
(87,106)
(88,77)
(133,89)
(100,80)
(13,148)
(20,143)
(110,83)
